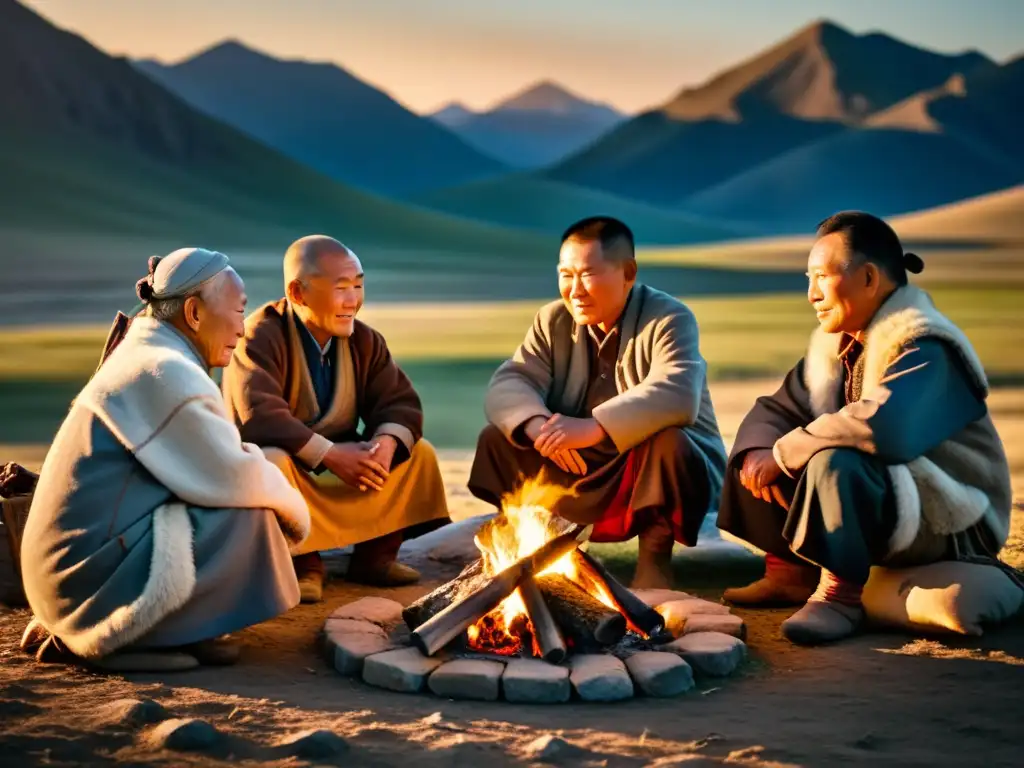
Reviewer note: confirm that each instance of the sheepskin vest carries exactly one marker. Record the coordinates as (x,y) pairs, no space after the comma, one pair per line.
(962,481)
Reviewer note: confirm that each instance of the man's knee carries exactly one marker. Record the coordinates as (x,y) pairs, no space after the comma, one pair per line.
(835,462)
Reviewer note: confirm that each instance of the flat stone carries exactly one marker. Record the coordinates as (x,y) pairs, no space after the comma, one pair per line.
(600,677)
(709,653)
(655,597)
(353,627)
(376,610)
(317,744)
(467,679)
(536,682)
(184,735)
(552,749)
(677,612)
(347,652)
(660,674)
(458,545)
(402,669)
(726,625)
(132,712)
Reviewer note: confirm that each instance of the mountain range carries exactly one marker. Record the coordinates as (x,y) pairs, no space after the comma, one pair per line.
(324,117)
(535,127)
(233,140)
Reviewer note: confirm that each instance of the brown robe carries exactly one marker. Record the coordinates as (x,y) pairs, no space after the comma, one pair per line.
(269,394)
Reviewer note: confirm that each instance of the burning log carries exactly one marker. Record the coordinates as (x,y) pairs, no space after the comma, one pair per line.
(466,583)
(586,621)
(641,616)
(545,631)
(441,628)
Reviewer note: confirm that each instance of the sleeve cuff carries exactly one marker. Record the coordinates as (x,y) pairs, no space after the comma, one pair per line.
(401,433)
(777,453)
(313,452)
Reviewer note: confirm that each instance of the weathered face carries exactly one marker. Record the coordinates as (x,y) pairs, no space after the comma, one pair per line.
(218,321)
(844,290)
(593,288)
(334,296)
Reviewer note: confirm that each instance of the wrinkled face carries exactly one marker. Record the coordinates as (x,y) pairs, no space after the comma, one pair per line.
(333,297)
(593,288)
(844,289)
(218,321)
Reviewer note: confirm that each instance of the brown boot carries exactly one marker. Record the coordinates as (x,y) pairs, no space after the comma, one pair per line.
(654,558)
(309,570)
(215,652)
(375,562)
(784,583)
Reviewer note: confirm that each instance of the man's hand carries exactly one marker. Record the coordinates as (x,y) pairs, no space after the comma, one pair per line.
(568,459)
(759,474)
(561,433)
(355,464)
(386,447)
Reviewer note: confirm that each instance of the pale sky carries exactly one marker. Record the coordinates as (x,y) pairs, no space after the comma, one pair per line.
(632,54)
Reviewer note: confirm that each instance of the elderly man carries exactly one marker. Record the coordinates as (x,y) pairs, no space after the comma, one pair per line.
(305,375)
(608,395)
(877,449)
(153,525)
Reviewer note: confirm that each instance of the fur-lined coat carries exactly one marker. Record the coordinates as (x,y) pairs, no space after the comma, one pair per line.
(921,410)
(152,521)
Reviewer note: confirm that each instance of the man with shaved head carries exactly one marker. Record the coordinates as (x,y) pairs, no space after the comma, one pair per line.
(608,395)
(299,384)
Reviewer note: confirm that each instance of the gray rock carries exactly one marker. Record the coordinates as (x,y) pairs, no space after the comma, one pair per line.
(600,677)
(726,625)
(353,627)
(132,712)
(401,669)
(709,653)
(660,674)
(347,652)
(536,682)
(184,735)
(318,744)
(677,612)
(655,597)
(467,679)
(552,749)
(376,610)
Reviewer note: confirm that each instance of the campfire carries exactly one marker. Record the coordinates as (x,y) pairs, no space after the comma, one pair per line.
(532,593)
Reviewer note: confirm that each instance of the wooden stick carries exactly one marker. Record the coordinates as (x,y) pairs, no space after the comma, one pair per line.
(586,622)
(466,583)
(644,619)
(439,630)
(545,631)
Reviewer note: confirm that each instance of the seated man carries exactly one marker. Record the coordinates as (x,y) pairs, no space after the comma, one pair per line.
(152,523)
(877,449)
(608,393)
(305,375)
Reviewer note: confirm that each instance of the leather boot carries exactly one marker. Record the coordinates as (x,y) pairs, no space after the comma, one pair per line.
(784,583)
(309,570)
(375,563)
(654,556)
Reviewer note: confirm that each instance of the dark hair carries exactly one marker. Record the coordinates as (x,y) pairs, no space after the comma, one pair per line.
(609,231)
(872,239)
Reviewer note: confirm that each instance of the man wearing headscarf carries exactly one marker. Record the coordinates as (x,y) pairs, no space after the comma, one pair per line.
(153,525)
(299,384)
(878,448)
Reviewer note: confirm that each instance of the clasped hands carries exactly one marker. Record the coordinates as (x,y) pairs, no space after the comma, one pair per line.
(362,465)
(759,475)
(560,438)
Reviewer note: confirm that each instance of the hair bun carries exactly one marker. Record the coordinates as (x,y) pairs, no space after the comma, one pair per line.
(152,264)
(913,263)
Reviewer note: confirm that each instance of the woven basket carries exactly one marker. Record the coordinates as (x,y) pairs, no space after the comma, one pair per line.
(15,515)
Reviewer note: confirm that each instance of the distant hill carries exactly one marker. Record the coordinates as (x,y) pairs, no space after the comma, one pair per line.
(805,89)
(946,144)
(535,127)
(548,207)
(324,117)
(89,144)
(995,217)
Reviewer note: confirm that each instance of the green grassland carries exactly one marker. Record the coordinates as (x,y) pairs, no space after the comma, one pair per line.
(451,350)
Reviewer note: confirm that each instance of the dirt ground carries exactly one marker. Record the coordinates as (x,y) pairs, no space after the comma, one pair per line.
(877,699)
